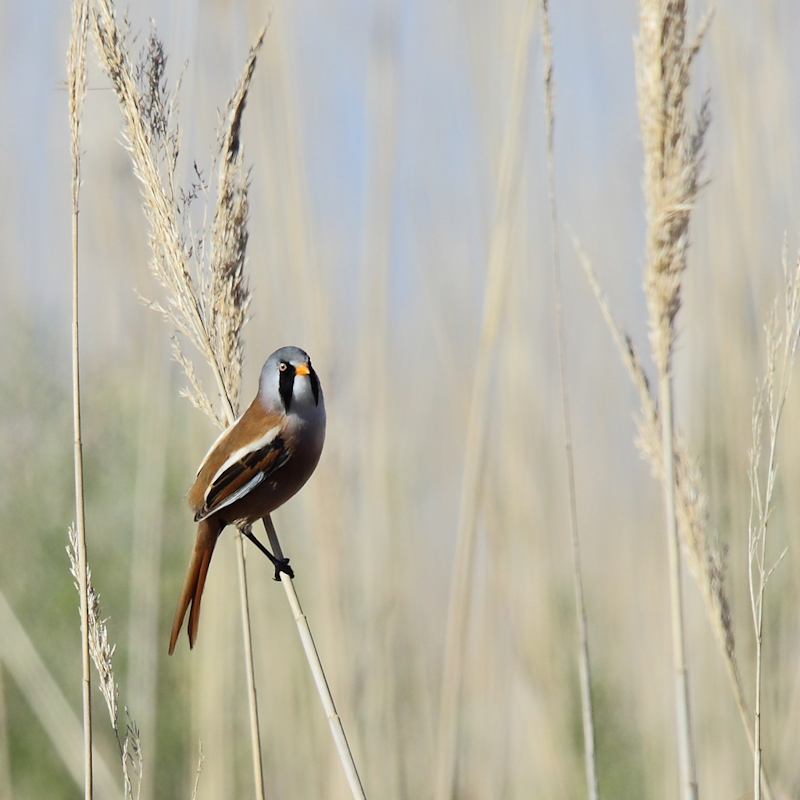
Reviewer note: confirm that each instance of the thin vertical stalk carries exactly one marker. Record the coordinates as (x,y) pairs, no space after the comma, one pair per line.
(757,549)
(76,75)
(689,789)
(757,731)
(770,399)
(80,518)
(249,662)
(255,729)
(587,713)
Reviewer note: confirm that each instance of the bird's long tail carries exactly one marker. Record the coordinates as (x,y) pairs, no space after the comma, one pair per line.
(208,532)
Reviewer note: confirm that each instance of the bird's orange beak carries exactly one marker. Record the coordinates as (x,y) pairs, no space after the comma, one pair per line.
(302,370)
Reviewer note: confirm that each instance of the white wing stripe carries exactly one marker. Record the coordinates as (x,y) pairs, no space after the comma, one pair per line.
(251,447)
(239,493)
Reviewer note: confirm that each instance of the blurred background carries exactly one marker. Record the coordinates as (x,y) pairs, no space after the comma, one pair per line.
(375,134)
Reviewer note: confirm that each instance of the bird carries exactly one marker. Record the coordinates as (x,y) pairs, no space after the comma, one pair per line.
(254,467)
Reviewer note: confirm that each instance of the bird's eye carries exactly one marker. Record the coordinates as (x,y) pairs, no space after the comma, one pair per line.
(282,366)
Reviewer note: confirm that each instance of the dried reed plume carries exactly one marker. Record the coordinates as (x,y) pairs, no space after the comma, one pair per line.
(704,556)
(76,88)
(207,298)
(673,156)
(207,293)
(102,655)
(208,301)
(782,340)
(673,159)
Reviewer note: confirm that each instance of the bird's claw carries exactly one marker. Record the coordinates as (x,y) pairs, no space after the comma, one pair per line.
(282,565)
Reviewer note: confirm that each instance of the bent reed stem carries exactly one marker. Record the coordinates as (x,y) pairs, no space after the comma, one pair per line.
(318,673)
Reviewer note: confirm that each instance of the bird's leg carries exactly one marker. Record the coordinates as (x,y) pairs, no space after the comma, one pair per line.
(280,564)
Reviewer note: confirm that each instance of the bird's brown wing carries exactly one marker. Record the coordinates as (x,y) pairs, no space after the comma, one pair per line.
(238,478)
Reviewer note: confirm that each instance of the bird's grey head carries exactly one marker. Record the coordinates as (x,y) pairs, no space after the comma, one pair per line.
(289,382)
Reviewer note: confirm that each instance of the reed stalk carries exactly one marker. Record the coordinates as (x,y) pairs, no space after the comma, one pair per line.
(768,406)
(673,156)
(704,556)
(76,82)
(250,668)
(584,670)
(318,673)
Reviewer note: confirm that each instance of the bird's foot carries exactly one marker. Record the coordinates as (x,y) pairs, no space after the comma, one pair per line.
(281,565)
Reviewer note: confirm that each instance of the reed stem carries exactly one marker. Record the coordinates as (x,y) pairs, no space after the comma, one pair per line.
(314,662)
(76,76)
(584,670)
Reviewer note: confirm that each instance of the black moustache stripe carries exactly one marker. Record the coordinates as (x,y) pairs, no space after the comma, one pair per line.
(286,385)
(314,384)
